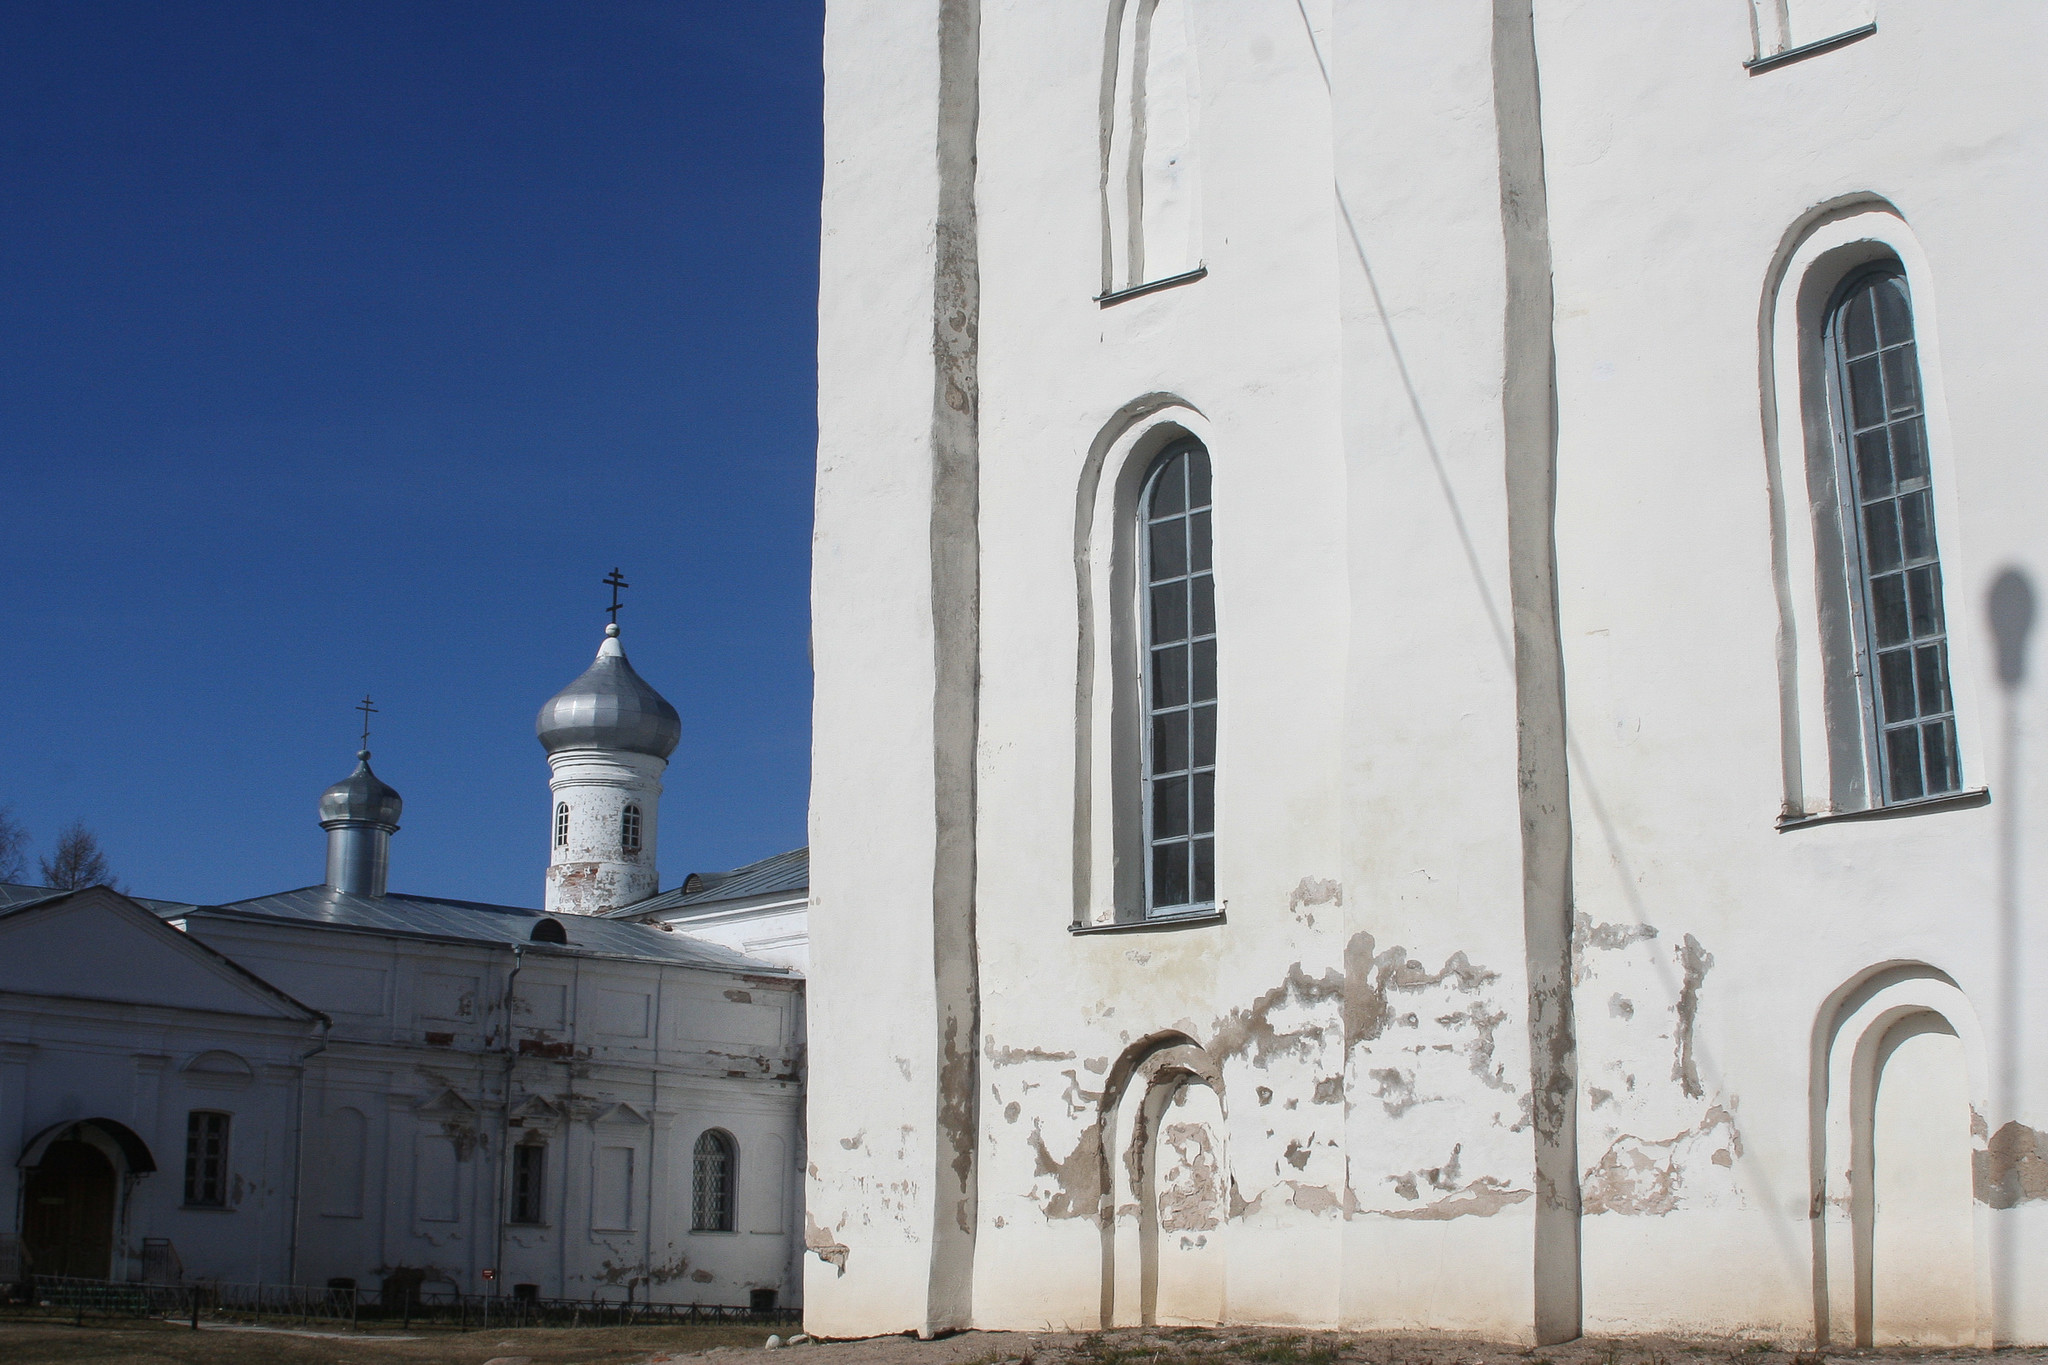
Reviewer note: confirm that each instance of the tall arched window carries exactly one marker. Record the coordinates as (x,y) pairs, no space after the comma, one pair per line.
(1149,176)
(712,1168)
(629,829)
(1888,514)
(561,824)
(1179,630)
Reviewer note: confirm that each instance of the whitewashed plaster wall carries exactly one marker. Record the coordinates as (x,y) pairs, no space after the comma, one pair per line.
(425,1065)
(1365,1010)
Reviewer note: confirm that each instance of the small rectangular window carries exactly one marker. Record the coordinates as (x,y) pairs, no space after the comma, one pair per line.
(529,1182)
(206,1160)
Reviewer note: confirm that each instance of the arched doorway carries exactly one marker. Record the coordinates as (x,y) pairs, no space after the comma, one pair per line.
(67,1217)
(1920,1235)
(1166,1166)
(72,1183)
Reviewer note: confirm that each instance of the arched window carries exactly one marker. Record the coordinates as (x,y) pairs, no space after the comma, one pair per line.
(629,829)
(712,1171)
(561,824)
(1149,175)
(1888,513)
(1179,630)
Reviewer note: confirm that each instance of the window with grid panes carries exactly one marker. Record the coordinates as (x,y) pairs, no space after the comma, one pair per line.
(712,1191)
(562,824)
(206,1159)
(529,1182)
(1888,499)
(629,829)
(1179,610)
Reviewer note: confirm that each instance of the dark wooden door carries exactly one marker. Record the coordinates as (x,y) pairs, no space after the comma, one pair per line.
(68,1212)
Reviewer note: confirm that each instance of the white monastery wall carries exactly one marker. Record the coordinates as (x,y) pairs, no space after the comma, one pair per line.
(1522,1014)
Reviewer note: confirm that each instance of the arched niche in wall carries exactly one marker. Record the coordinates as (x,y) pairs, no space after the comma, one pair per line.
(1899,1088)
(1151,180)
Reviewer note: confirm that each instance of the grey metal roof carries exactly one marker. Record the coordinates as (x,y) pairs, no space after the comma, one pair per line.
(13,896)
(610,707)
(476,922)
(784,874)
(362,795)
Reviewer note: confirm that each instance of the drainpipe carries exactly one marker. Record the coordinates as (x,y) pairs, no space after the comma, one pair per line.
(505,1124)
(291,1267)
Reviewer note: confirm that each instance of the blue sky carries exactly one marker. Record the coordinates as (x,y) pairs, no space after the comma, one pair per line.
(344,349)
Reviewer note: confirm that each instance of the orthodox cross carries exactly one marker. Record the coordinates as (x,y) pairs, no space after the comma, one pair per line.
(368,711)
(615,582)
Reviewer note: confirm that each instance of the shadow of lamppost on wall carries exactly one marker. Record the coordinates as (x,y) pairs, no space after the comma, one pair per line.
(2009,607)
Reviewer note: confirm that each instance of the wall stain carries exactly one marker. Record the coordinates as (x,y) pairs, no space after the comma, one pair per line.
(1607,937)
(1697,962)
(1012,1056)
(1313,891)
(2013,1167)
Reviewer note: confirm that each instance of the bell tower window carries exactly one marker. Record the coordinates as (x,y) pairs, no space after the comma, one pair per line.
(629,829)
(561,824)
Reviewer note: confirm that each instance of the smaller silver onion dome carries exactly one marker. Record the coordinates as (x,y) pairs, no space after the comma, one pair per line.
(361,796)
(610,707)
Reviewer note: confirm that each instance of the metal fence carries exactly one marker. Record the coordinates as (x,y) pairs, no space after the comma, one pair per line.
(278,1304)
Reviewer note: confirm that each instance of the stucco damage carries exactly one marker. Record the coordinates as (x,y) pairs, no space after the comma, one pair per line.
(2012,1167)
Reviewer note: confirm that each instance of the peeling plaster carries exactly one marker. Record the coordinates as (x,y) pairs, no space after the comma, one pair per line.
(1607,937)
(1313,891)
(1482,1198)
(1636,1176)
(1190,1184)
(2013,1167)
(1312,1199)
(1080,1193)
(819,1241)
(1012,1056)
(1697,962)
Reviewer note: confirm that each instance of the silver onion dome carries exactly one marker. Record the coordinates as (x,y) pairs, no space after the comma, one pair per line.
(361,796)
(610,707)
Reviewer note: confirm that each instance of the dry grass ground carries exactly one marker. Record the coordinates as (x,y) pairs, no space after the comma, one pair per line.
(45,1343)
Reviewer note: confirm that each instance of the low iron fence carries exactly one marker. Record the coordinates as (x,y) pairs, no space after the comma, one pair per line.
(54,1296)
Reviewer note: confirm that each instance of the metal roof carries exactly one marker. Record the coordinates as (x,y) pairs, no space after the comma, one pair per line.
(784,874)
(610,707)
(476,922)
(13,896)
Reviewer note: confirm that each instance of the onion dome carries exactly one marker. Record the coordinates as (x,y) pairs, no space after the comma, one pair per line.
(361,796)
(610,707)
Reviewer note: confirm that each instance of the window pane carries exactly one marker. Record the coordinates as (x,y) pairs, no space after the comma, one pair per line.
(1903,745)
(1932,669)
(1169,488)
(1198,479)
(1170,742)
(1169,550)
(1205,670)
(1205,736)
(1204,804)
(1902,382)
(1170,875)
(1881,536)
(1203,604)
(1170,676)
(1866,397)
(1205,872)
(1888,610)
(1873,465)
(1895,683)
(1198,539)
(1926,600)
(1859,331)
(1169,612)
(1938,744)
(1169,807)
(1916,519)
(1894,316)
(1909,451)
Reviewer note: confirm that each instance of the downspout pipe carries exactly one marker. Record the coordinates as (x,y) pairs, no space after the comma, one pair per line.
(291,1271)
(505,1125)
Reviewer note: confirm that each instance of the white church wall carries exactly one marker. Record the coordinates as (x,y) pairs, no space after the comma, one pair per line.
(1343,363)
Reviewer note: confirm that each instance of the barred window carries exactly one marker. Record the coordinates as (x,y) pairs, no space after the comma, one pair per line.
(206,1159)
(529,1182)
(712,1183)
(629,829)
(1179,609)
(561,824)
(1888,505)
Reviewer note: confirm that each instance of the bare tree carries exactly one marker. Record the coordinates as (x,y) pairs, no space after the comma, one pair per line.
(13,847)
(79,861)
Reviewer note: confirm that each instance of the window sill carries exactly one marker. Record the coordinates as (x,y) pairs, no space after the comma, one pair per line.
(1758,65)
(1976,796)
(1190,919)
(204,1208)
(1151,286)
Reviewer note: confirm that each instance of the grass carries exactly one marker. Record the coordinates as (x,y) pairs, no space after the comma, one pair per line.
(156,1343)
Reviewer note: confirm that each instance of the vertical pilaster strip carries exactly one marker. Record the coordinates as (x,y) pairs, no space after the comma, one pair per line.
(1529,415)
(956,607)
